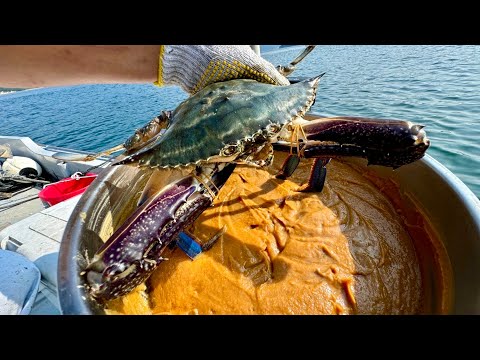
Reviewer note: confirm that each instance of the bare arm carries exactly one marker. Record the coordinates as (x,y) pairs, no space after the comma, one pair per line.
(46,65)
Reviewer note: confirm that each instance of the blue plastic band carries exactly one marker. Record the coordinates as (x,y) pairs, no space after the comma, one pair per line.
(188,245)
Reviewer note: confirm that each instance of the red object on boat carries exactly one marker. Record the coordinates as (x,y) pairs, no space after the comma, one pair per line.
(66,188)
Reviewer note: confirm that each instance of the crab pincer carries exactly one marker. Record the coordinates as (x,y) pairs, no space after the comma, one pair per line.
(385,142)
(135,249)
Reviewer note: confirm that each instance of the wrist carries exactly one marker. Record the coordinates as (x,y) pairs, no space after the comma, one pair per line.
(180,64)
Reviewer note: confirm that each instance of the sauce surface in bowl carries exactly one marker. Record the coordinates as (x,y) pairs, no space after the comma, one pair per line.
(345,250)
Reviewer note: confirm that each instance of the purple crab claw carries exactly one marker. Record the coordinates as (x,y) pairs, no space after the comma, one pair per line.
(391,143)
(135,249)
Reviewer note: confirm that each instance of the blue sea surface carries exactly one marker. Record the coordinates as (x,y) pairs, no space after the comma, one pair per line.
(436,86)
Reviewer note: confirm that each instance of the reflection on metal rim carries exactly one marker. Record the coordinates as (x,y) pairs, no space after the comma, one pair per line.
(454,212)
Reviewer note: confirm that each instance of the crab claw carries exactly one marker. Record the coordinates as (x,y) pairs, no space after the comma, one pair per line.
(385,142)
(135,249)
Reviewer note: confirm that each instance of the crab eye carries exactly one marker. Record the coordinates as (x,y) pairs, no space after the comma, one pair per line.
(229,150)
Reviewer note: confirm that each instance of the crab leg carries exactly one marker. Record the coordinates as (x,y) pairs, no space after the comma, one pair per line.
(64,156)
(318,174)
(287,70)
(289,166)
(140,138)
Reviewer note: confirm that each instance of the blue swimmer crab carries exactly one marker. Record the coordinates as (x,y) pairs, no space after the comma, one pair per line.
(193,132)
(237,121)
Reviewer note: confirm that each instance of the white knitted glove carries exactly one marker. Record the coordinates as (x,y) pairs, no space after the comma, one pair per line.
(195,66)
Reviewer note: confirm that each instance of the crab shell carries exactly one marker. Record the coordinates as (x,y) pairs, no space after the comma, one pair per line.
(225,122)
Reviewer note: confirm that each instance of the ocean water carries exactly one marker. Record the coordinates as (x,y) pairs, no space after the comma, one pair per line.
(437,86)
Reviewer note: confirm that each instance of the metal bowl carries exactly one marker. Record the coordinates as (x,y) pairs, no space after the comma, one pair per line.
(446,202)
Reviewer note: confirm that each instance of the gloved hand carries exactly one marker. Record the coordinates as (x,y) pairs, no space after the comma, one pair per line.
(195,66)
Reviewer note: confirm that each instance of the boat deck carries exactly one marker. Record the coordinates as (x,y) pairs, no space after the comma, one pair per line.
(32,230)
(19,207)
(27,226)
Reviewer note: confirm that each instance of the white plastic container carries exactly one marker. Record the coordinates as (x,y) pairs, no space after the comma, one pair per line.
(23,166)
